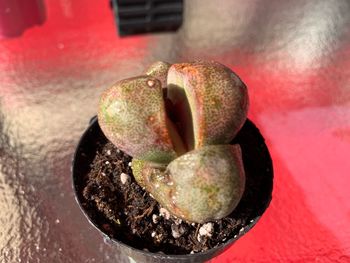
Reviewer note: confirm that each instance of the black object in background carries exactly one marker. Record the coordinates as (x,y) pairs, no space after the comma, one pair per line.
(146,16)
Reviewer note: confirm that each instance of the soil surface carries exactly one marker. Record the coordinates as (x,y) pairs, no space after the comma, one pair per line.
(128,213)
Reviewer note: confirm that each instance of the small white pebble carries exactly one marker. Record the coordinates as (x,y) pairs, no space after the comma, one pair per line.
(175,234)
(178,221)
(224,239)
(234,236)
(155,219)
(129,164)
(177,231)
(206,230)
(103,174)
(153,234)
(151,196)
(60,249)
(242,229)
(108,152)
(118,151)
(193,224)
(124,178)
(192,252)
(251,221)
(165,213)
(106,162)
(57,221)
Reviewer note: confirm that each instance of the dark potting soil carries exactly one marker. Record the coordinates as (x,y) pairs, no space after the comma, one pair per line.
(128,213)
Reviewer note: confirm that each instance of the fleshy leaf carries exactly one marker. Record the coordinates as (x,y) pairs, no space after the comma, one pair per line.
(210,101)
(202,185)
(132,115)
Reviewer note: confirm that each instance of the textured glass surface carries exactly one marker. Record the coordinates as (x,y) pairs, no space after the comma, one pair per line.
(294,57)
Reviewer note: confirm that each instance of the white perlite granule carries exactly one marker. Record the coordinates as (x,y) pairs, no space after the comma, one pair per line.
(206,229)
(155,219)
(177,230)
(165,213)
(124,178)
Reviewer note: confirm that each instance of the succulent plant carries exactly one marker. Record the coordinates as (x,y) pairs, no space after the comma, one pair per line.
(177,121)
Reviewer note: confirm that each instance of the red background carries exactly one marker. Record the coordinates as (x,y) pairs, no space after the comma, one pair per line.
(294,58)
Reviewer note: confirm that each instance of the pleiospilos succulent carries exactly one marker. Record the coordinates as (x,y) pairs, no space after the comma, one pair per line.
(177,121)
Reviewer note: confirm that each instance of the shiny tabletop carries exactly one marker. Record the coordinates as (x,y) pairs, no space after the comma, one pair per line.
(294,56)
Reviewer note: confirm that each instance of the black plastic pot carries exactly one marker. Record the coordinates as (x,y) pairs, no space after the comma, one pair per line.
(257,162)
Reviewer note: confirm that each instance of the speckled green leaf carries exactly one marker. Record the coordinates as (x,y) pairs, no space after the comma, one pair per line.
(202,185)
(132,116)
(210,100)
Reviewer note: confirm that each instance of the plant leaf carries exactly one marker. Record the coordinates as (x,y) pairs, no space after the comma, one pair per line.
(215,97)
(132,115)
(202,185)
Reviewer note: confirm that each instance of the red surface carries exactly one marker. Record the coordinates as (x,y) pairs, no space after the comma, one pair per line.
(300,102)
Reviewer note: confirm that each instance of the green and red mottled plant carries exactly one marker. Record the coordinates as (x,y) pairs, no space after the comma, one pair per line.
(177,121)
